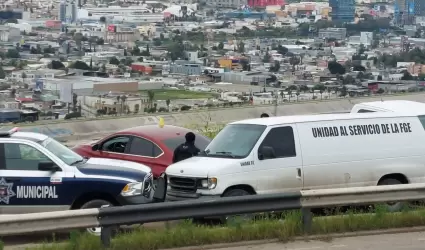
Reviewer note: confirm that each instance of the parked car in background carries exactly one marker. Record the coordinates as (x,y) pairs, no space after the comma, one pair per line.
(151,145)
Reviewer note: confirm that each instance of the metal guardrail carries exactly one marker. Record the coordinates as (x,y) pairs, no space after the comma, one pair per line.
(110,217)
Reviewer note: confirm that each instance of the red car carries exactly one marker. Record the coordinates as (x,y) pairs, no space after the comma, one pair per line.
(151,145)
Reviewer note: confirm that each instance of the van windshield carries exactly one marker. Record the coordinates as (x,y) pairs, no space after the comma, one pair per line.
(234,141)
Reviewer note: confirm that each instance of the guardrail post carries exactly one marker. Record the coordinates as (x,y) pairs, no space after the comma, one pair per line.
(105,236)
(307,219)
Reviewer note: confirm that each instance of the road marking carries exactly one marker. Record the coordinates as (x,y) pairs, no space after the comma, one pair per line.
(311,248)
(305,248)
(338,246)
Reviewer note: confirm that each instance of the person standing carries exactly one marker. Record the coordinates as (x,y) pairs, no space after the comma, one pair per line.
(187,149)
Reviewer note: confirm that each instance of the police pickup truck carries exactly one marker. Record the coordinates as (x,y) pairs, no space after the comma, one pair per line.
(39,174)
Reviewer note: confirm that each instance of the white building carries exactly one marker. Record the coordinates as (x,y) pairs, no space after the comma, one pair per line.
(9,34)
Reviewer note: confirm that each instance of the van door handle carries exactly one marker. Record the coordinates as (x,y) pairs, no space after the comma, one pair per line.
(298,173)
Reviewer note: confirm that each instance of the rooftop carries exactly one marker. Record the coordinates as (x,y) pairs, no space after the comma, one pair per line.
(397,106)
(321,117)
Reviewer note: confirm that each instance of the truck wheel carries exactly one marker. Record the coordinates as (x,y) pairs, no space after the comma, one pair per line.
(231,219)
(95,204)
(392,206)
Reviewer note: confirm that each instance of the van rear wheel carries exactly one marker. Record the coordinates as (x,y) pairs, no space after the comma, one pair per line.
(392,206)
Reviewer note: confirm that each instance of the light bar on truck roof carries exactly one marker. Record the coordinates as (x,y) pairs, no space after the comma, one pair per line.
(8,133)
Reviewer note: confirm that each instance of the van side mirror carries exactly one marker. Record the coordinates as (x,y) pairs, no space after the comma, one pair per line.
(266,152)
(95,147)
(48,166)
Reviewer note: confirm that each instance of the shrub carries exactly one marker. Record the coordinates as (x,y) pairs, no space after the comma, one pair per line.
(72,115)
(185,108)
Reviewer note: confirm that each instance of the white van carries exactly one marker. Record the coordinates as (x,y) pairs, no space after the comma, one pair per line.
(290,153)
(399,106)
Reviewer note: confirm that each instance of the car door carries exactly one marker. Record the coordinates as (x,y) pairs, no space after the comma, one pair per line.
(23,187)
(146,152)
(283,171)
(115,147)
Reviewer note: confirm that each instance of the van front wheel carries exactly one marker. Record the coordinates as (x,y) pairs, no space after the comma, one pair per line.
(392,206)
(231,219)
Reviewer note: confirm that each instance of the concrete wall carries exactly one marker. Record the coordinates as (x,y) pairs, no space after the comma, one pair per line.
(86,130)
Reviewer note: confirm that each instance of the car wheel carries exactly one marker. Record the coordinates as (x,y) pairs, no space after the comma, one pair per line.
(95,204)
(392,206)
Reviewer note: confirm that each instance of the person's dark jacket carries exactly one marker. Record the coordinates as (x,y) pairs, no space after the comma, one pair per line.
(185,151)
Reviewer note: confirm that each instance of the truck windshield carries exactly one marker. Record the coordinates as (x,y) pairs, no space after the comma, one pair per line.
(61,151)
(235,141)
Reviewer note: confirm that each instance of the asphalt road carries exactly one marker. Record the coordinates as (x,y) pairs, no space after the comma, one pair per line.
(406,241)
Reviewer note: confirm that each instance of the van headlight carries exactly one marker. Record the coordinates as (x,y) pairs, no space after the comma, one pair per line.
(131,189)
(208,183)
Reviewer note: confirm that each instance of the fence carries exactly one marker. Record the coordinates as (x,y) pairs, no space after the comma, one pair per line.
(110,217)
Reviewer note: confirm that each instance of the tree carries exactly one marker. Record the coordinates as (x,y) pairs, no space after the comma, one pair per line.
(151,96)
(48,50)
(80,65)
(167,102)
(56,65)
(157,42)
(336,68)
(343,91)
(294,61)
(2,73)
(78,38)
(348,80)
(220,46)
(135,51)
(282,50)
(74,101)
(123,99)
(100,41)
(175,50)
(92,42)
(11,20)
(12,53)
(275,67)
(266,58)
(360,75)
(241,47)
(114,61)
(406,76)
(359,68)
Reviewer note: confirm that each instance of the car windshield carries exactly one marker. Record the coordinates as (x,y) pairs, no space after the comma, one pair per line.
(235,141)
(61,151)
(201,142)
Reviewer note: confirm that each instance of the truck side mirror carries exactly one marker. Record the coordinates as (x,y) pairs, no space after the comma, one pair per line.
(95,147)
(266,152)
